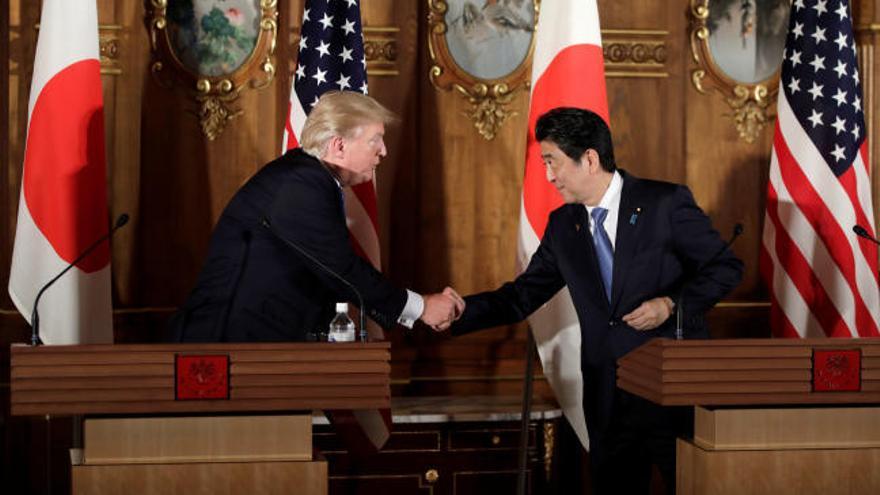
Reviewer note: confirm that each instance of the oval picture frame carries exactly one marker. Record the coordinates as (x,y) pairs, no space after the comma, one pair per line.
(201,44)
(751,101)
(482,49)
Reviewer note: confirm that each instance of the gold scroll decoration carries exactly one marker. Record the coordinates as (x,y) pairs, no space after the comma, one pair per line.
(216,89)
(462,60)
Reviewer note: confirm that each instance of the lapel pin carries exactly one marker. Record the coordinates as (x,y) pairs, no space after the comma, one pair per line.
(577,227)
(635,216)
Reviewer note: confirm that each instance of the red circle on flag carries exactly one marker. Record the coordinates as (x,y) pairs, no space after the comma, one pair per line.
(64,168)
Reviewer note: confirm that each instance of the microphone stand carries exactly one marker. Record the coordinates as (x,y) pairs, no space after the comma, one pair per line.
(305,254)
(35,316)
(679,304)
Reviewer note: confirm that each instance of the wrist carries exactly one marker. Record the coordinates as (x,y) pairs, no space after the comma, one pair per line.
(669,303)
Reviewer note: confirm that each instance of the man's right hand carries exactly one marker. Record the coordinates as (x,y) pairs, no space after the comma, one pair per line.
(442,309)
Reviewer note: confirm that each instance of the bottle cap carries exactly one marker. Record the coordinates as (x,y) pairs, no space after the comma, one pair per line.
(342,307)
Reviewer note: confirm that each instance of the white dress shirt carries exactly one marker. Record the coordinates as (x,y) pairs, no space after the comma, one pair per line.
(611,202)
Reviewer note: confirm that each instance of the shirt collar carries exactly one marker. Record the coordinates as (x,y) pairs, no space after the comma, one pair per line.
(612,193)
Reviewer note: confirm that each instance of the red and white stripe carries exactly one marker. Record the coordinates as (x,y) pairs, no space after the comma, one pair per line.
(63,202)
(567,70)
(822,278)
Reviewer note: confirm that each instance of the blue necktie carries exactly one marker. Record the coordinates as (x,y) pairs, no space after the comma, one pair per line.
(604,251)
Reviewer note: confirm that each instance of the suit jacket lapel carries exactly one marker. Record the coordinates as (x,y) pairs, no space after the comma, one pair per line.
(626,240)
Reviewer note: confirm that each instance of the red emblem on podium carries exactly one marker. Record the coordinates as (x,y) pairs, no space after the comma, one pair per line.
(837,370)
(199,377)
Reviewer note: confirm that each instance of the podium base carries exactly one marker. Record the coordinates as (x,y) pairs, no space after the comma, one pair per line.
(794,450)
(210,478)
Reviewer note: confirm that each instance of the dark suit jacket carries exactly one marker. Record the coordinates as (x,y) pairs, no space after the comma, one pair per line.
(254,287)
(662,238)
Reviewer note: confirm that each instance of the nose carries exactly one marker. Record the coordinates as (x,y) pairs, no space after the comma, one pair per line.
(551,178)
(382,150)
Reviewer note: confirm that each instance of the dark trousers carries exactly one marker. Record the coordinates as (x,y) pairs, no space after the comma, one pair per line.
(639,434)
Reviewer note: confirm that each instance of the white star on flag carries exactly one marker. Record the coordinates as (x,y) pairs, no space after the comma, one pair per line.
(348,27)
(342,82)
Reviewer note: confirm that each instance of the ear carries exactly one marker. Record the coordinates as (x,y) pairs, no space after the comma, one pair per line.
(590,160)
(335,148)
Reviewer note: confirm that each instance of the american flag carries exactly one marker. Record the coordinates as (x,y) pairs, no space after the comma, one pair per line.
(822,278)
(331,57)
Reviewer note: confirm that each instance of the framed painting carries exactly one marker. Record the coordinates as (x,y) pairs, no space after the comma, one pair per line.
(215,47)
(481,49)
(738,47)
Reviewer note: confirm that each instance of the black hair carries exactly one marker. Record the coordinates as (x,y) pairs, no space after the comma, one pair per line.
(576,130)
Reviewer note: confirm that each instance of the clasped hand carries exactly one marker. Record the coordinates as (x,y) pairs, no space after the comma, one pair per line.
(442,309)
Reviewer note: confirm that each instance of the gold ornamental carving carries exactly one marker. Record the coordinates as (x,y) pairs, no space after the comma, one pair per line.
(752,102)
(635,53)
(215,84)
(457,45)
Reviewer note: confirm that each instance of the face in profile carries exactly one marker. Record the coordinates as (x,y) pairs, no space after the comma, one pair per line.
(565,174)
(361,153)
(578,181)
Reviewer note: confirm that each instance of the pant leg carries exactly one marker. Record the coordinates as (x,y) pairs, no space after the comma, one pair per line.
(621,461)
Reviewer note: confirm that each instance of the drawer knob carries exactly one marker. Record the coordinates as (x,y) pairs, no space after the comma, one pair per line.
(496,439)
(431,476)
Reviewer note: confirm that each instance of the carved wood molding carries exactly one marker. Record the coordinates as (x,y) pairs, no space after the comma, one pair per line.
(110,43)
(635,53)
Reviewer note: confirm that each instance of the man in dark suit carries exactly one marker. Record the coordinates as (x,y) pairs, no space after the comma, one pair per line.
(629,250)
(256,284)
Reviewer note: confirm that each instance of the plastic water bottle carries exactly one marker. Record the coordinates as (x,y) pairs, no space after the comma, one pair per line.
(341,326)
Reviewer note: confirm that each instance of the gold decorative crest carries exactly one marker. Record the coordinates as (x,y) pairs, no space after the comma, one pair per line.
(751,100)
(461,43)
(215,76)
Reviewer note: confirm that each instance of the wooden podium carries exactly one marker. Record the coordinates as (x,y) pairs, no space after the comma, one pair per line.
(198,418)
(771,416)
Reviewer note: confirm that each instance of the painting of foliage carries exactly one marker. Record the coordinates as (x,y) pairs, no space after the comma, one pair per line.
(213,37)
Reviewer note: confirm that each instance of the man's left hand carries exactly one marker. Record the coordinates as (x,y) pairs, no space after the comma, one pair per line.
(650,314)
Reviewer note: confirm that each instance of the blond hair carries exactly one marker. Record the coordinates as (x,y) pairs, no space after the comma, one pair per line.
(340,113)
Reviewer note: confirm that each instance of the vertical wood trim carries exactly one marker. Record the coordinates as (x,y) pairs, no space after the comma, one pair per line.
(5,223)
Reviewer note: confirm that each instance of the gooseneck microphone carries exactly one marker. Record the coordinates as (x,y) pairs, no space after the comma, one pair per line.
(35,315)
(679,306)
(863,233)
(305,254)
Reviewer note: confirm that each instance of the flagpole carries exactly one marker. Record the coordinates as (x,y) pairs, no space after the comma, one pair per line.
(526,414)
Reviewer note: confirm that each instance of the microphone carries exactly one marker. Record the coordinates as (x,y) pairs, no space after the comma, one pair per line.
(679,311)
(863,233)
(305,254)
(35,316)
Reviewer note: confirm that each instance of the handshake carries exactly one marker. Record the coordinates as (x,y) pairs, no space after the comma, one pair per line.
(442,308)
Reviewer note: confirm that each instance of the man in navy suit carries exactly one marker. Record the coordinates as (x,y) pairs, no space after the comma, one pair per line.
(629,250)
(256,284)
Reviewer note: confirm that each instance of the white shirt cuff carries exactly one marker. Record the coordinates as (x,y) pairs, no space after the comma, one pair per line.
(413,309)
